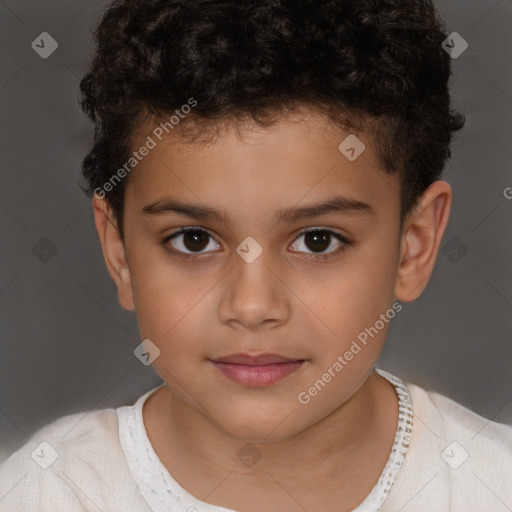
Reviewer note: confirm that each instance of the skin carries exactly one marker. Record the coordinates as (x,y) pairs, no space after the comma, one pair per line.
(329,453)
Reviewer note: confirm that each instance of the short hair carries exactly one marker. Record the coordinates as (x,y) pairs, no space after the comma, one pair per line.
(375,66)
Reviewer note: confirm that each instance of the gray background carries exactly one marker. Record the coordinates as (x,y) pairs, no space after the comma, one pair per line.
(67,345)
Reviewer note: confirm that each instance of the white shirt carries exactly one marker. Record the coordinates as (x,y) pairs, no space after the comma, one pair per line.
(445,458)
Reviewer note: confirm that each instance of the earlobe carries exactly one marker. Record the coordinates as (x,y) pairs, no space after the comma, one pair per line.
(422,234)
(114,251)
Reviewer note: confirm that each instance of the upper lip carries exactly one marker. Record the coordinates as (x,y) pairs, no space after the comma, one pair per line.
(249,360)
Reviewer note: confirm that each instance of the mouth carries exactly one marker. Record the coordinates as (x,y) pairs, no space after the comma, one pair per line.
(257,371)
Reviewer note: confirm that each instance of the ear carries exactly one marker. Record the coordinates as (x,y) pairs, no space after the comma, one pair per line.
(113,251)
(421,237)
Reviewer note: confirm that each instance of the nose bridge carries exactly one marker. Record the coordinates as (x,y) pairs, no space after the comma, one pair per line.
(254,294)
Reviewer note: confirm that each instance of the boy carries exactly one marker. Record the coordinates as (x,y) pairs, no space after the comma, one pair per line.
(298,146)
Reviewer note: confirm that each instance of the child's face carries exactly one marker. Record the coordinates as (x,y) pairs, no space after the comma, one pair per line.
(284,302)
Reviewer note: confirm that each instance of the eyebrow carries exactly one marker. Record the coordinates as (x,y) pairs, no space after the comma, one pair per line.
(337,205)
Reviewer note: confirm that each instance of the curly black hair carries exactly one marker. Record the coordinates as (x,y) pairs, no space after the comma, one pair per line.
(376,66)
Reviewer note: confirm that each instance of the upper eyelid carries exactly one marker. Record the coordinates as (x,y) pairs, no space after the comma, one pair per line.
(301,231)
(319,228)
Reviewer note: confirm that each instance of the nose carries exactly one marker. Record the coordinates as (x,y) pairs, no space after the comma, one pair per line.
(254,295)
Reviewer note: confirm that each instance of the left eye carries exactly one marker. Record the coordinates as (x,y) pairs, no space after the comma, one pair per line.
(318,240)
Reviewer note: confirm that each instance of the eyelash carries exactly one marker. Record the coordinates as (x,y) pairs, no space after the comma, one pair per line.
(318,257)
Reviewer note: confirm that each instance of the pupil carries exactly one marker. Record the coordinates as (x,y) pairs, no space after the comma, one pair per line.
(198,240)
(320,241)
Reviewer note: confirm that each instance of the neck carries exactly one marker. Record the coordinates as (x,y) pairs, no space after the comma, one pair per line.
(346,450)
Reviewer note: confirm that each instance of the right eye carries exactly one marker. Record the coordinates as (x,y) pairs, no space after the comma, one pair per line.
(192,239)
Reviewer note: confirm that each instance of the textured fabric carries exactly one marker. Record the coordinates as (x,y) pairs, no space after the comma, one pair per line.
(444,458)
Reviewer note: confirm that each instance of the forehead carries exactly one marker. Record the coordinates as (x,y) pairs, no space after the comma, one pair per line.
(252,171)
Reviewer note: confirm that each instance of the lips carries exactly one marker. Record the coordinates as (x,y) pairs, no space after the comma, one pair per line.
(260,360)
(257,371)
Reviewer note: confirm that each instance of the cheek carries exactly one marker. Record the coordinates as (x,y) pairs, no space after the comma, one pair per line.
(353,299)
(374,273)
(166,297)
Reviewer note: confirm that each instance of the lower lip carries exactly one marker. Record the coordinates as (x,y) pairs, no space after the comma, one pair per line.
(256,376)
